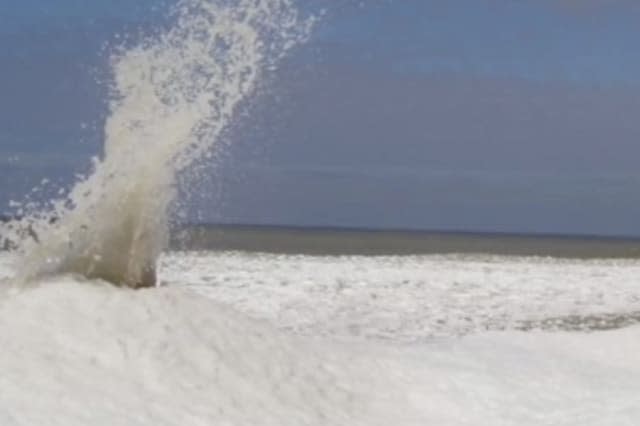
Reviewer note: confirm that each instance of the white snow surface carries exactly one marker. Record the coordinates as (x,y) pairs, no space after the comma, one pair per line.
(407,298)
(246,349)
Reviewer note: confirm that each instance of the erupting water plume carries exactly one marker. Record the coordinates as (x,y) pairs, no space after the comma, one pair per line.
(173,95)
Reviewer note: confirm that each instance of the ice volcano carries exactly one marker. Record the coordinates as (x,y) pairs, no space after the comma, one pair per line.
(78,352)
(173,95)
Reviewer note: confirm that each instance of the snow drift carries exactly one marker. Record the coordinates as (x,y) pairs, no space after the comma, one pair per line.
(76,352)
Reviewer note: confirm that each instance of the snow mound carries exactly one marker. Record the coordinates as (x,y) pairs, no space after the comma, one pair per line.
(83,353)
(76,352)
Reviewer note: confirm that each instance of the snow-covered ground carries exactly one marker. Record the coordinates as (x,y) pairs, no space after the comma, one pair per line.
(411,299)
(280,340)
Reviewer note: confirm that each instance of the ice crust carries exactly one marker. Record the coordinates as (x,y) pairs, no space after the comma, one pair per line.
(76,352)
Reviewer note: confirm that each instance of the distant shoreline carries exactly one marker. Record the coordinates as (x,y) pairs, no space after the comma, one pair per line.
(336,241)
(348,241)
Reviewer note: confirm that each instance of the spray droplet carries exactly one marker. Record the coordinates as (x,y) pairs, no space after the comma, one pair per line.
(173,97)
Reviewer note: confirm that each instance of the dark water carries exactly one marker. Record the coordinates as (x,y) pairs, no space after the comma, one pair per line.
(335,242)
(594,322)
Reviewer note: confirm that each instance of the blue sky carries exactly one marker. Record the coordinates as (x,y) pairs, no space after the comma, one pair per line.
(483,115)
(527,38)
(27,15)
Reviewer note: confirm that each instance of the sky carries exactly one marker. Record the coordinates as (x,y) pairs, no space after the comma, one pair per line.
(468,115)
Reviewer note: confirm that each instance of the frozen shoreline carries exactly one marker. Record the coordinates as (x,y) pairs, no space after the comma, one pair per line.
(413,298)
(261,339)
(77,353)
